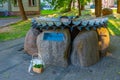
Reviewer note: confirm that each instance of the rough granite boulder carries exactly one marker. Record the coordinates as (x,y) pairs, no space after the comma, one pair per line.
(104,40)
(30,41)
(107,11)
(85,49)
(54,52)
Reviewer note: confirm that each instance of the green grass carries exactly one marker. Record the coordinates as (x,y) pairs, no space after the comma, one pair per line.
(114,10)
(17,30)
(9,16)
(54,13)
(114,23)
(20,29)
(48,12)
(114,26)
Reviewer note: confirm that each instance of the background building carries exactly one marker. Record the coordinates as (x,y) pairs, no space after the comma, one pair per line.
(31,7)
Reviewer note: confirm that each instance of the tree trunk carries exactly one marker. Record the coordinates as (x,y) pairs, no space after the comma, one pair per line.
(82,7)
(73,5)
(98,8)
(79,8)
(20,4)
(118,6)
(69,6)
(39,2)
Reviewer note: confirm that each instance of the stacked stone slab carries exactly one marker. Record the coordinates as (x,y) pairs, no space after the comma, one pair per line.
(84,48)
(107,11)
(54,52)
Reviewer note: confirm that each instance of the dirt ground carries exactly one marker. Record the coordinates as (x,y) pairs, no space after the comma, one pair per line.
(14,65)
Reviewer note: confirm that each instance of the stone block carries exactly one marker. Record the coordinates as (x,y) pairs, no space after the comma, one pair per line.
(53,47)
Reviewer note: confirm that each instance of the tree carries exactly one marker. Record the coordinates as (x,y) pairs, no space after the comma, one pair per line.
(20,4)
(118,6)
(2,1)
(69,5)
(79,8)
(39,9)
(82,7)
(83,3)
(73,4)
(98,8)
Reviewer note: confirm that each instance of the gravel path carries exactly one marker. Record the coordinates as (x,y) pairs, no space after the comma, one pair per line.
(5,22)
(14,64)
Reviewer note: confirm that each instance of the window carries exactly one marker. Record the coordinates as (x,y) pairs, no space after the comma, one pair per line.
(1,4)
(15,3)
(32,2)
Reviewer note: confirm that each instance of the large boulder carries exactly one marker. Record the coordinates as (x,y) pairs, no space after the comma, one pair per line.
(85,49)
(30,41)
(107,11)
(104,40)
(54,49)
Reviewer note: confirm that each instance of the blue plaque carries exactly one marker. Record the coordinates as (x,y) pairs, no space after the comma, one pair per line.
(53,36)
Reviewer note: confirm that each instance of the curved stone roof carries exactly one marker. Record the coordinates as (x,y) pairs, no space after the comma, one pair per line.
(68,22)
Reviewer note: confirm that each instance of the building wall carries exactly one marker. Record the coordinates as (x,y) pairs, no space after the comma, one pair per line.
(107,3)
(26,6)
(30,10)
(27,13)
(4,7)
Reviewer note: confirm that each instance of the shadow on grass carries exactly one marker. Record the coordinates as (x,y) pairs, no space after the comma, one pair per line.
(114,28)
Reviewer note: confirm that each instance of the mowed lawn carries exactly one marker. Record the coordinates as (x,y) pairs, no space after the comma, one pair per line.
(19,29)
(14,31)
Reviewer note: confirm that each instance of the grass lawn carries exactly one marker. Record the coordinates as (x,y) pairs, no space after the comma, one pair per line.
(9,16)
(20,29)
(14,31)
(48,12)
(114,26)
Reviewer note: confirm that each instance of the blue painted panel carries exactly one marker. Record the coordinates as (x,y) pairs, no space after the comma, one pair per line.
(53,36)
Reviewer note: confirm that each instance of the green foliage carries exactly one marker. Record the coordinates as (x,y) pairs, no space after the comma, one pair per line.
(2,1)
(114,26)
(42,5)
(84,2)
(59,3)
(63,10)
(38,66)
(48,12)
(63,5)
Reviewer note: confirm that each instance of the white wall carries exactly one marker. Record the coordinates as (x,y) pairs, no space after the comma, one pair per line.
(26,6)
(4,7)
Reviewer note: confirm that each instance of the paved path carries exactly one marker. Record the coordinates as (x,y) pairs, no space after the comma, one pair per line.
(14,64)
(4,22)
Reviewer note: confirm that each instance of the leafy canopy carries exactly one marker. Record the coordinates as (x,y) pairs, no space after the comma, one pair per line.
(64,3)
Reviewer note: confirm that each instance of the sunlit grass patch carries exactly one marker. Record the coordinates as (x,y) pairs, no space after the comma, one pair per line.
(48,12)
(17,30)
(114,10)
(114,26)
